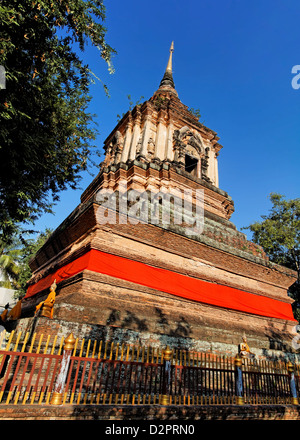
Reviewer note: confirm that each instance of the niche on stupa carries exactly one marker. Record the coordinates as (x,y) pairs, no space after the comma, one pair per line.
(189,152)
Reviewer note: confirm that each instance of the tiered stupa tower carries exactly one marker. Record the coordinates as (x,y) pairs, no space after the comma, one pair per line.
(155,283)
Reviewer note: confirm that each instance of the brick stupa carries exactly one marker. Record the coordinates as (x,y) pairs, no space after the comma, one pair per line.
(155,283)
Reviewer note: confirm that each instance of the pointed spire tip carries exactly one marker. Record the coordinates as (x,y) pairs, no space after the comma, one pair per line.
(169,66)
(167,80)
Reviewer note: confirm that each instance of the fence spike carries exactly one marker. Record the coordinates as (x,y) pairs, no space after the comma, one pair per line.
(94,348)
(47,343)
(32,342)
(81,348)
(61,345)
(105,348)
(152,354)
(122,351)
(117,351)
(39,344)
(88,348)
(25,342)
(75,346)
(132,353)
(54,344)
(111,351)
(99,349)
(9,340)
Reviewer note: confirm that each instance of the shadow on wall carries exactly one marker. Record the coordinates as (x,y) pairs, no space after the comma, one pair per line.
(167,333)
(178,332)
(279,340)
(182,328)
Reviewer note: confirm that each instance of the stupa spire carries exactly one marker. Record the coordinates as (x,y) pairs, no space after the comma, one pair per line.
(168,76)
(169,66)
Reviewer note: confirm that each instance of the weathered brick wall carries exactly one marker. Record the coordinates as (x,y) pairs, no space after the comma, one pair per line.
(98,305)
(153,326)
(222,247)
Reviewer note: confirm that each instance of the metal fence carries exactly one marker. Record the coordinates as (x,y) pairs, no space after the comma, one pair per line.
(38,370)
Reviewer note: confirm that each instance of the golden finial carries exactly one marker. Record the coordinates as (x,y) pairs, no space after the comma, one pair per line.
(169,66)
(168,353)
(69,342)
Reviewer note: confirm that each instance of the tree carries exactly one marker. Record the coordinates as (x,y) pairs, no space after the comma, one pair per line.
(9,268)
(28,249)
(15,255)
(46,131)
(279,236)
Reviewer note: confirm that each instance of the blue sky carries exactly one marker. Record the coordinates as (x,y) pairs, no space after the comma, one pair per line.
(233,61)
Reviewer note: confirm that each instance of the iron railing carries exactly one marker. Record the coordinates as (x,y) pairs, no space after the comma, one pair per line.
(35,370)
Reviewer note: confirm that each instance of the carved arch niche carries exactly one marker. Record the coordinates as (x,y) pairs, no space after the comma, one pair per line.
(189,152)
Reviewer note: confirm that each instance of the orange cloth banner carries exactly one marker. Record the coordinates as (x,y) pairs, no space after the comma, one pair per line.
(169,282)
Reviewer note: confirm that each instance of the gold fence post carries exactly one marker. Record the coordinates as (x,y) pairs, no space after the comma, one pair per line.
(57,396)
(165,398)
(238,380)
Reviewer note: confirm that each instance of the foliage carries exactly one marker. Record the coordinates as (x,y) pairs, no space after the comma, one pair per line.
(9,268)
(28,250)
(15,254)
(279,232)
(195,112)
(279,235)
(131,106)
(46,132)
(160,102)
